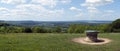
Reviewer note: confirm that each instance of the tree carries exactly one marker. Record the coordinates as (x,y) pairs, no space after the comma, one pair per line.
(2,29)
(115,26)
(71,29)
(57,29)
(27,30)
(103,28)
(4,24)
(38,29)
(76,28)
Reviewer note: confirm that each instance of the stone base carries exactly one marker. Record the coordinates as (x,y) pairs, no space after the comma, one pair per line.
(85,40)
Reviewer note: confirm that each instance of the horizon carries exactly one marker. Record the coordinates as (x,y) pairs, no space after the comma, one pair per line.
(59,10)
(59,21)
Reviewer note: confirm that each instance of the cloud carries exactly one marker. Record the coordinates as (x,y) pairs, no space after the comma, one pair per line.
(3,10)
(39,9)
(31,7)
(93,10)
(75,9)
(79,15)
(51,3)
(108,13)
(94,3)
(30,11)
(13,1)
(79,11)
(65,1)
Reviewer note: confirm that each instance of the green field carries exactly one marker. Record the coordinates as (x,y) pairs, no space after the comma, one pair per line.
(54,42)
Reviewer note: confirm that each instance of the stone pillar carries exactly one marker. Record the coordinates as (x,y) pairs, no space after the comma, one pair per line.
(91,35)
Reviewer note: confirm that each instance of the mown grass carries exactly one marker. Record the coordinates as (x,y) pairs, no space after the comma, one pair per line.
(54,42)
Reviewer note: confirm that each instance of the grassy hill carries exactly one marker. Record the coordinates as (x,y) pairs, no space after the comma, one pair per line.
(54,42)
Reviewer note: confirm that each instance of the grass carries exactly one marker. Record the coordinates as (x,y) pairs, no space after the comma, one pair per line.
(54,42)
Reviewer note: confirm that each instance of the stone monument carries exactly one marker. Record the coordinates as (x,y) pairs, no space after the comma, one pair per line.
(92,36)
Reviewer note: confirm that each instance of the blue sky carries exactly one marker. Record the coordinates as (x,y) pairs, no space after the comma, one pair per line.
(59,10)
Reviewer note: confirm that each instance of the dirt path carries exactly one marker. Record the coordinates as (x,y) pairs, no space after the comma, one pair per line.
(83,41)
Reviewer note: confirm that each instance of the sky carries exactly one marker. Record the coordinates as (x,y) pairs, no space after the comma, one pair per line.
(59,10)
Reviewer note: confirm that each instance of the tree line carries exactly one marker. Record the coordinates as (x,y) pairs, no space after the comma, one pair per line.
(104,28)
(36,29)
(74,28)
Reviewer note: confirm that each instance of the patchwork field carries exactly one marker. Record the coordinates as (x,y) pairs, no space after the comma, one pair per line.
(54,42)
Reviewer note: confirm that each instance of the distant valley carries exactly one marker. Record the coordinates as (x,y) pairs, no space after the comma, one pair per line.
(55,23)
